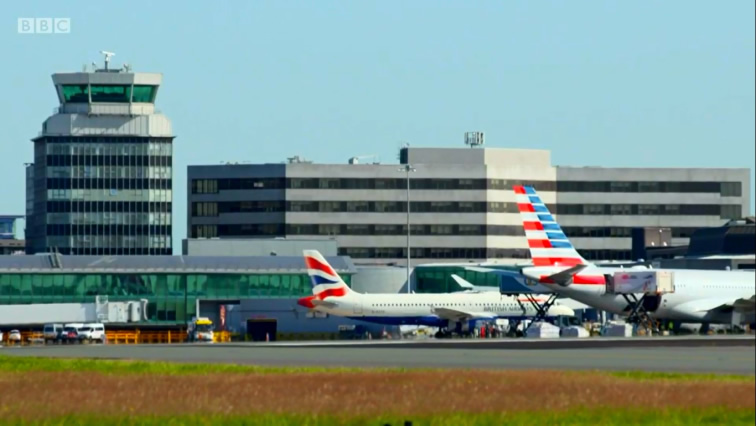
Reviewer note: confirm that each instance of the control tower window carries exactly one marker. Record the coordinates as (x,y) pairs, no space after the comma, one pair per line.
(75,93)
(144,94)
(103,93)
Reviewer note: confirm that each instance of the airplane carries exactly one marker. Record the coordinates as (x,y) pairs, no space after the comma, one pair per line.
(699,296)
(447,311)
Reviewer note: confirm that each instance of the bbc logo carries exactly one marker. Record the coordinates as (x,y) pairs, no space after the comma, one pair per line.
(44,25)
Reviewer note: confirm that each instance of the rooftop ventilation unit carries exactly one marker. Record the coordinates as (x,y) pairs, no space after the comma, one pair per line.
(356,160)
(297,159)
(474,139)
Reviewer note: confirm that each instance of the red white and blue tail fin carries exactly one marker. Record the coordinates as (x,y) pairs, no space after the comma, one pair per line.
(548,244)
(325,281)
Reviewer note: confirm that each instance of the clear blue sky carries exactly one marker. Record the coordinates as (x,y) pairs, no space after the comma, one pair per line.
(613,83)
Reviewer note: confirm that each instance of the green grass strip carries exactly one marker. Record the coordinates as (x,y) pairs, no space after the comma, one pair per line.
(656,376)
(20,364)
(603,416)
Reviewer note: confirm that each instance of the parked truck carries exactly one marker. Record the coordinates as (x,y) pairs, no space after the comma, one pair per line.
(201,330)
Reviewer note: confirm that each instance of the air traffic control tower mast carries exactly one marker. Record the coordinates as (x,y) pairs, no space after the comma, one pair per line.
(101,181)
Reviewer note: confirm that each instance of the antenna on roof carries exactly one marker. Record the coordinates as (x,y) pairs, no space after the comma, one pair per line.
(107,57)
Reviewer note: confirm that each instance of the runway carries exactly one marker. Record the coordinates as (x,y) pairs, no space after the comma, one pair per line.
(734,355)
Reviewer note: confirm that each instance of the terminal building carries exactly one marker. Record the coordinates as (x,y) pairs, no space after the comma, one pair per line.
(175,287)
(101,180)
(240,294)
(462,208)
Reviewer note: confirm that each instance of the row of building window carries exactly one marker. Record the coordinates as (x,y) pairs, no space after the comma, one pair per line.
(109,172)
(104,251)
(727,211)
(108,206)
(108,140)
(110,195)
(107,160)
(213,209)
(250,230)
(466,253)
(109,218)
(211,186)
(212,231)
(82,230)
(464,230)
(618,232)
(110,147)
(122,241)
(358,229)
(724,188)
(108,93)
(107,183)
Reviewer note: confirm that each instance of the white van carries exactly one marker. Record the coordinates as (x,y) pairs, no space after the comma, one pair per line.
(93,332)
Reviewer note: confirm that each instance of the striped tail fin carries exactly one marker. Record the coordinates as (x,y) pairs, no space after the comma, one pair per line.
(548,244)
(325,281)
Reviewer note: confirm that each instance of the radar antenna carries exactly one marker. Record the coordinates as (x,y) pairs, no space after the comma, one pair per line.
(107,57)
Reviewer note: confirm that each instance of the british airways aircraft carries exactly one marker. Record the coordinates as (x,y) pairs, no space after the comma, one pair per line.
(447,311)
(700,296)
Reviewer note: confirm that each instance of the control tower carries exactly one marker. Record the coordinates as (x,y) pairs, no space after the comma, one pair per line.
(101,181)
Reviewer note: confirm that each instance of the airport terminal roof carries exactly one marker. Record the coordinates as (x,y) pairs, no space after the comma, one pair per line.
(164,264)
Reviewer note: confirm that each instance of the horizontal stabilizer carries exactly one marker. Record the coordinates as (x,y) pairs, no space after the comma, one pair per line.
(323,303)
(479,269)
(462,282)
(564,278)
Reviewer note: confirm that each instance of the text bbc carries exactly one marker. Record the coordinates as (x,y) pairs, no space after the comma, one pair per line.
(44,25)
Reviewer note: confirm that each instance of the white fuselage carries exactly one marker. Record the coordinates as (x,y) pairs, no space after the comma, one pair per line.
(423,309)
(696,292)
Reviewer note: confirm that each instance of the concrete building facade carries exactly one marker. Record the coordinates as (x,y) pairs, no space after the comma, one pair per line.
(101,181)
(461,203)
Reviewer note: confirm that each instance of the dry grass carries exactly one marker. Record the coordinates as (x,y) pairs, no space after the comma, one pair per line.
(37,395)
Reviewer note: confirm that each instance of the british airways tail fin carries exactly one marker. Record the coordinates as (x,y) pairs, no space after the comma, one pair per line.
(548,244)
(325,281)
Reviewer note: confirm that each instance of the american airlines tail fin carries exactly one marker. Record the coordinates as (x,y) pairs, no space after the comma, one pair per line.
(325,281)
(548,244)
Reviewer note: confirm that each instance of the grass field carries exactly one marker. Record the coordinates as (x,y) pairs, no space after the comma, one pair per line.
(59,391)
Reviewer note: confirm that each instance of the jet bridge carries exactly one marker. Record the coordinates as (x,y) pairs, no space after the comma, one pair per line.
(649,284)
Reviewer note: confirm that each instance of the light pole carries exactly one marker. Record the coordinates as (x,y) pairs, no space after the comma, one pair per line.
(407,169)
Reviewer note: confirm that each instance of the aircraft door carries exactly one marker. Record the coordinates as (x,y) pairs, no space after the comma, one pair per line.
(651,303)
(357,307)
(609,286)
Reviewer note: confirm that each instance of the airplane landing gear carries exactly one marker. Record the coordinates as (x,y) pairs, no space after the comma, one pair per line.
(443,334)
